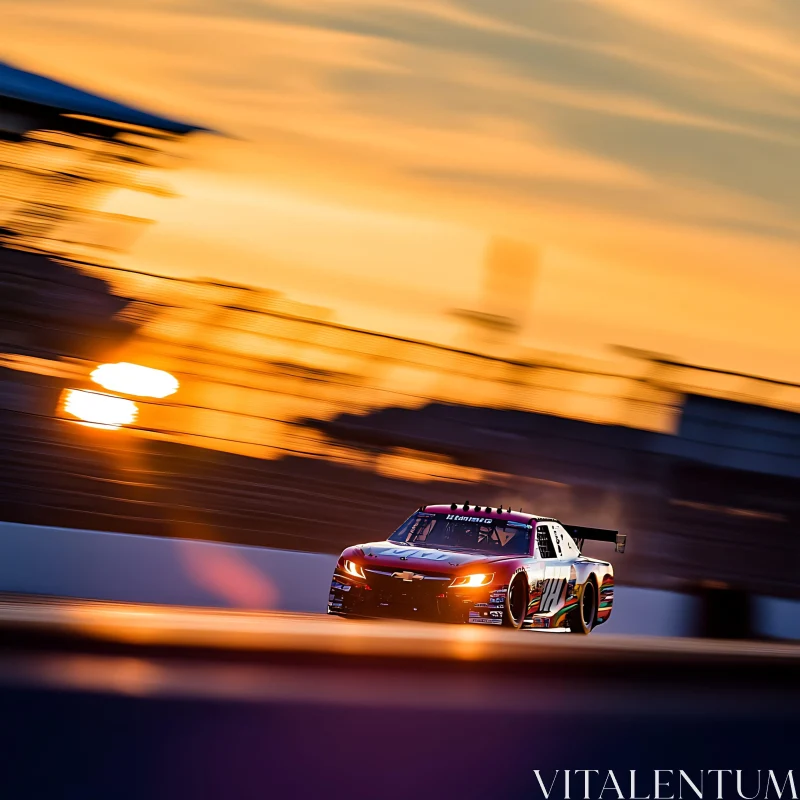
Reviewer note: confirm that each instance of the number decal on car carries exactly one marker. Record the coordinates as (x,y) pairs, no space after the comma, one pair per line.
(551,594)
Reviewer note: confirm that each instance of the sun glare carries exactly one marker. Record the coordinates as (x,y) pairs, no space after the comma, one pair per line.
(100,410)
(135,379)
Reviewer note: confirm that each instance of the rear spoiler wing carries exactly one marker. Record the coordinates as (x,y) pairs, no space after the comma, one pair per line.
(580,534)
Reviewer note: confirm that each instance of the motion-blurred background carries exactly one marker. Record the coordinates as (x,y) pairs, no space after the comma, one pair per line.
(540,254)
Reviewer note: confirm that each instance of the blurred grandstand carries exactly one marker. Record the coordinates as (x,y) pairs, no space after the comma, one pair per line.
(293,430)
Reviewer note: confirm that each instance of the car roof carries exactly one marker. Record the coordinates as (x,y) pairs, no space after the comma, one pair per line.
(488,512)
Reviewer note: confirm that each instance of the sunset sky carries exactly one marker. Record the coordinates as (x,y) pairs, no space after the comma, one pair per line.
(649,150)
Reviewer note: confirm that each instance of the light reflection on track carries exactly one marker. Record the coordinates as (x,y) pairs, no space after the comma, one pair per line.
(270,632)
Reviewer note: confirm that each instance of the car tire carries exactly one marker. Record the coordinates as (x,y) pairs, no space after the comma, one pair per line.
(517,598)
(583,618)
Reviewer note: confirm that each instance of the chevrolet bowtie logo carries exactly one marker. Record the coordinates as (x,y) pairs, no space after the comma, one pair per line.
(408,576)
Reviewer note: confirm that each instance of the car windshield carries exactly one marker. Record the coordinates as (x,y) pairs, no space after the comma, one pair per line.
(472,533)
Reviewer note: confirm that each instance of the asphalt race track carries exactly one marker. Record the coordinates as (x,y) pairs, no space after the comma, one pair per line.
(104,700)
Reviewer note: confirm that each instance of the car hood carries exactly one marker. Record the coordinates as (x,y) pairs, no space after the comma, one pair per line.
(391,554)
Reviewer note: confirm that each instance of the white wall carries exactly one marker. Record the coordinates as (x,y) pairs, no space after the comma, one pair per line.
(777,617)
(148,569)
(651,612)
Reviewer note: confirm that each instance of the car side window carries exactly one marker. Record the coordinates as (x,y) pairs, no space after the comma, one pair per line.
(544,542)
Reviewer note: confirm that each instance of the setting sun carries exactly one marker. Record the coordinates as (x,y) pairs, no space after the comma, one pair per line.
(100,410)
(135,379)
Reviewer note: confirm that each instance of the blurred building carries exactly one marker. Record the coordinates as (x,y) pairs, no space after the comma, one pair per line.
(506,296)
(62,152)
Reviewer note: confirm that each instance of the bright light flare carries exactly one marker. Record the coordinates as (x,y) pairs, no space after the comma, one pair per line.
(100,410)
(479,579)
(135,379)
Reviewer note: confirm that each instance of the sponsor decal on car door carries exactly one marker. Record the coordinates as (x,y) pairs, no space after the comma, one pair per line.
(553,588)
(552,591)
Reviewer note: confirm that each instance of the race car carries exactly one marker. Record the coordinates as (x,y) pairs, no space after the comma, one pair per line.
(479,564)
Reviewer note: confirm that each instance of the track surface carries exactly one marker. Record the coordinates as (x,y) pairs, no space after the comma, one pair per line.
(134,701)
(265,632)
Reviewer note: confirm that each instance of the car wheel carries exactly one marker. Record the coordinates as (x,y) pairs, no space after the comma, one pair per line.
(516,602)
(583,617)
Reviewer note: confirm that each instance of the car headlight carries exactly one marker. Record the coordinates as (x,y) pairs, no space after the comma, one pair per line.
(479,579)
(351,568)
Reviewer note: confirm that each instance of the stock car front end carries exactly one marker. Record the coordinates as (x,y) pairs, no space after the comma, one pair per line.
(438,566)
(412,592)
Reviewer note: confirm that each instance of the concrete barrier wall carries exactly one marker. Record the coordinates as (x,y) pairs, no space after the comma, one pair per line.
(651,612)
(149,569)
(116,566)
(777,617)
